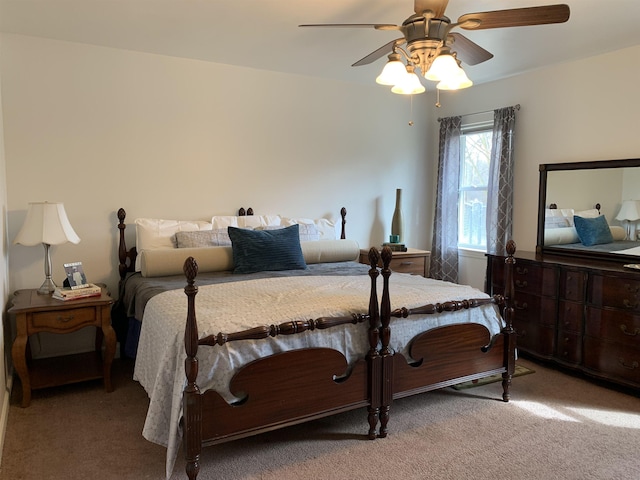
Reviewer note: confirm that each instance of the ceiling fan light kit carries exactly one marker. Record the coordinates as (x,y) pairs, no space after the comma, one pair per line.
(429,42)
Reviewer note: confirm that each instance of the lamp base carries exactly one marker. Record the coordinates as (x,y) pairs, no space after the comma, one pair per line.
(47,288)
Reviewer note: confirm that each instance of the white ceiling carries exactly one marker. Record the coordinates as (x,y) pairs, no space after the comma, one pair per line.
(264,34)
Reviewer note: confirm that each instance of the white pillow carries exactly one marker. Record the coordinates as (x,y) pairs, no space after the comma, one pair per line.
(245,221)
(155,233)
(591,213)
(327,229)
(308,231)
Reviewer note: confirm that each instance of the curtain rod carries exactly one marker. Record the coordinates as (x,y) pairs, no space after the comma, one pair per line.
(516,106)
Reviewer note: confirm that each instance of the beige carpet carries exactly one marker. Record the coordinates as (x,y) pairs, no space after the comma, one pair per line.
(555,427)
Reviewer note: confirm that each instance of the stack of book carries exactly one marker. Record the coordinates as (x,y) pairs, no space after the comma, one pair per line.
(396,247)
(91,290)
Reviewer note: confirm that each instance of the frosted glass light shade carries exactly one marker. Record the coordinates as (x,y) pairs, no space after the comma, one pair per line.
(393,72)
(46,223)
(444,66)
(409,85)
(455,82)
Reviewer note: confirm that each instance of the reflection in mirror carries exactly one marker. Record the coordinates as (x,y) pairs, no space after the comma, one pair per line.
(580,209)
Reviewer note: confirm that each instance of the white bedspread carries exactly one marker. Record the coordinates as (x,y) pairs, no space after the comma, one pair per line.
(232,307)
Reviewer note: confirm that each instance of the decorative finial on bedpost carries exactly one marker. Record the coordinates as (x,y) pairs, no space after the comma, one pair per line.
(343,214)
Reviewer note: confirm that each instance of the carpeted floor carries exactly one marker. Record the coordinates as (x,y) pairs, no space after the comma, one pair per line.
(555,427)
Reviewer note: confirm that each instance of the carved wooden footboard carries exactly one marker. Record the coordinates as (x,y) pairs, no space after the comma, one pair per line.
(301,385)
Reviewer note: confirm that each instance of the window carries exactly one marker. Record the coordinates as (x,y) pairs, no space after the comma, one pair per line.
(475,157)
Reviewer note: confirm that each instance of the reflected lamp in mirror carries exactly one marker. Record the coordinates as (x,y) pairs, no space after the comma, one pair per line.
(46,223)
(629,215)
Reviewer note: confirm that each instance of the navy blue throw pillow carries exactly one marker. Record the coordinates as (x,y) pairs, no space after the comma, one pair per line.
(266,250)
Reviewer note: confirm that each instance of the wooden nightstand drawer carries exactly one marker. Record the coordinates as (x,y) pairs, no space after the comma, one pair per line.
(63,320)
(414,265)
(413,261)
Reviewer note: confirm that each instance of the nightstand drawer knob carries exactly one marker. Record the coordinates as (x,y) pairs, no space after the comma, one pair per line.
(406,263)
(65,319)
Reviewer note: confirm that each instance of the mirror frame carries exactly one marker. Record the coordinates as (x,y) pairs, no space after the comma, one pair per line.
(542,201)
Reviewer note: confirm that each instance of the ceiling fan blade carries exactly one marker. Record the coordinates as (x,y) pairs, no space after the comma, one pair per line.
(380,52)
(378,26)
(515,17)
(469,52)
(436,6)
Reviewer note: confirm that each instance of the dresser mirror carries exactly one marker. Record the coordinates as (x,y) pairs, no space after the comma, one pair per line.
(591,190)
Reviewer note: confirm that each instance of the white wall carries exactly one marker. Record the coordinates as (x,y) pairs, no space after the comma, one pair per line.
(580,111)
(100,128)
(5,378)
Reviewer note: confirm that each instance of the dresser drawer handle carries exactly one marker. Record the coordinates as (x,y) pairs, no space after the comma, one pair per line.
(633,365)
(406,263)
(623,327)
(521,271)
(631,289)
(628,304)
(519,306)
(521,284)
(65,319)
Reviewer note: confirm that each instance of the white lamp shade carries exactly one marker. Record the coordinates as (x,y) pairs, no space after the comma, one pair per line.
(409,85)
(46,223)
(444,66)
(630,211)
(455,82)
(392,73)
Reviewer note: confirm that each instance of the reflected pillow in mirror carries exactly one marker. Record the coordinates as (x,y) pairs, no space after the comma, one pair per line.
(593,231)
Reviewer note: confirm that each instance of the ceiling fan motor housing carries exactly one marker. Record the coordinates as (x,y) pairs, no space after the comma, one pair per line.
(425,36)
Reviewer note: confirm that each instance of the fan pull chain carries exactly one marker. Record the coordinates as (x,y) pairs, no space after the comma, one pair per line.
(411,110)
(437,97)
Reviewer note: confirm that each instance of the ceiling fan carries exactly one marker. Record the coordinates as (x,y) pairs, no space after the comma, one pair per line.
(427,35)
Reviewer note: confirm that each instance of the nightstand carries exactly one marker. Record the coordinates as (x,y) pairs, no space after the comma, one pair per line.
(41,313)
(412,261)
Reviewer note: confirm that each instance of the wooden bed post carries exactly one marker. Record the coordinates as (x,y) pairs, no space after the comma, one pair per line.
(126,258)
(192,400)
(385,337)
(508,331)
(343,214)
(373,357)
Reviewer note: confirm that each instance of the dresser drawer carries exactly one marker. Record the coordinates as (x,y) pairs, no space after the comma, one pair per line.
(62,320)
(527,277)
(612,360)
(570,316)
(534,338)
(569,347)
(613,325)
(572,285)
(616,292)
(541,310)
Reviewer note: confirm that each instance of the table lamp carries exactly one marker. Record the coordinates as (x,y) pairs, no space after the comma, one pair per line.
(46,223)
(629,214)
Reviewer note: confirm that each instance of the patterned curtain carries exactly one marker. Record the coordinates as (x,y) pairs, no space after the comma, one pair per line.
(444,248)
(500,188)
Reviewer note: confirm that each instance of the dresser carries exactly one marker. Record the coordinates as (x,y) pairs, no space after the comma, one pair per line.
(584,315)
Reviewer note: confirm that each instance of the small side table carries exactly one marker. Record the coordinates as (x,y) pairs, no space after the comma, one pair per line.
(41,313)
(412,261)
